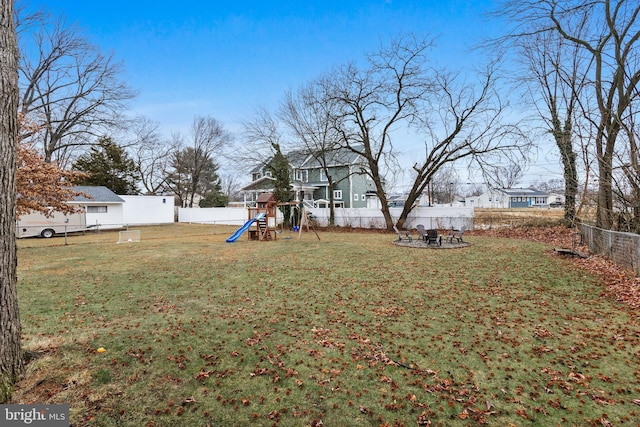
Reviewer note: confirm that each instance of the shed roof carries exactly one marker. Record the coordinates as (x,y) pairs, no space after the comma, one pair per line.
(97,193)
(266,197)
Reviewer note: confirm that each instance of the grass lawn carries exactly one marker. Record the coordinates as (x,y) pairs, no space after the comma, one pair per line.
(350,330)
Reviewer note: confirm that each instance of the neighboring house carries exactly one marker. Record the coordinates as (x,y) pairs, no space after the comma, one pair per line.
(104,208)
(556,198)
(509,198)
(310,184)
(109,211)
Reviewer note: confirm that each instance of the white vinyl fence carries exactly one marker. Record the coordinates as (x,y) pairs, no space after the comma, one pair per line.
(224,216)
(446,217)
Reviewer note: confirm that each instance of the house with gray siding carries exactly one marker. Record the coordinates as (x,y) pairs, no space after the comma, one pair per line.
(310,182)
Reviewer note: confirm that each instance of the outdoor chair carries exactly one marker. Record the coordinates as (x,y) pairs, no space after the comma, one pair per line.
(400,238)
(432,237)
(421,232)
(455,235)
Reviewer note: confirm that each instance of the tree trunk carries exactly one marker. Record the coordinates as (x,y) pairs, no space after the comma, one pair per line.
(11,363)
(332,209)
(568,156)
(604,210)
(416,190)
(382,195)
(570,190)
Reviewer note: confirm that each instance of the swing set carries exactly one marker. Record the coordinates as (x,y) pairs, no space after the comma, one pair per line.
(262,223)
(297,219)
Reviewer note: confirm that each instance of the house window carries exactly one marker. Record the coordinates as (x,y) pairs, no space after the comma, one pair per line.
(337,194)
(323,176)
(356,197)
(302,175)
(96,209)
(541,200)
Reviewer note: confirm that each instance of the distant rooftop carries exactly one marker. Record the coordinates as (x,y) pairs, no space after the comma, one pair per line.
(97,193)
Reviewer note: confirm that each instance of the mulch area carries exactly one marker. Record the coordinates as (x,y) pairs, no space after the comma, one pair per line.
(620,284)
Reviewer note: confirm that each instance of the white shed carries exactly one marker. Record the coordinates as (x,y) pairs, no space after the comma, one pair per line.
(148,210)
(104,208)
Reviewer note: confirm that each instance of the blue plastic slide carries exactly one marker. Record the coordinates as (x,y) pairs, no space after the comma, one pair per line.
(244,228)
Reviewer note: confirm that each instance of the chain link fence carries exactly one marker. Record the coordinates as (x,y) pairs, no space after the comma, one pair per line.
(620,247)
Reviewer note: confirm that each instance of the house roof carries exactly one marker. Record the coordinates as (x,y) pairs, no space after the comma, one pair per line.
(264,183)
(97,193)
(338,157)
(523,192)
(301,159)
(297,158)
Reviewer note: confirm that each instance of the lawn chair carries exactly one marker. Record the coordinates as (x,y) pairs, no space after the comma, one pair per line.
(421,232)
(432,237)
(456,235)
(400,238)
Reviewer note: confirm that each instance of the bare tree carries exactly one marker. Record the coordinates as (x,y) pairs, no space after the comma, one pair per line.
(11,361)
(444,186)
(463,121)
(69,88)
(372,102)
(260,133)
(607,32)
(508,176)
(231,187)
(627,191)
(614,47)
(193,167)
(150,153)
(554,77)
(310,115)
(557,71)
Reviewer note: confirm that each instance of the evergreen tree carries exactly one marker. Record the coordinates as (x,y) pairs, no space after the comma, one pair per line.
(108,164)
(279,167)
(282,190)
(214,199)
(194,173)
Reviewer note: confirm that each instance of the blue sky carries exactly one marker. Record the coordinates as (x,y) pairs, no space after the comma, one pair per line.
(226,58)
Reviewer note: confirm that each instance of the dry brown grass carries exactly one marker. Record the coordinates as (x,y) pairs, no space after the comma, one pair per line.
(509,218)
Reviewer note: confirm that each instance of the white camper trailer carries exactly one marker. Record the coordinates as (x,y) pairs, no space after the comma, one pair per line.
(37,224)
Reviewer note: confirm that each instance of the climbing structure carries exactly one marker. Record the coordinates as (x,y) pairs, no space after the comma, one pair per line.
(265,227)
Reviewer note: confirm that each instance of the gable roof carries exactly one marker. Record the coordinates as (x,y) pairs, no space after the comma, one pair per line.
(97,193)
(297,158)
(264,183)
(339,157)
(301,159)
(523,192)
